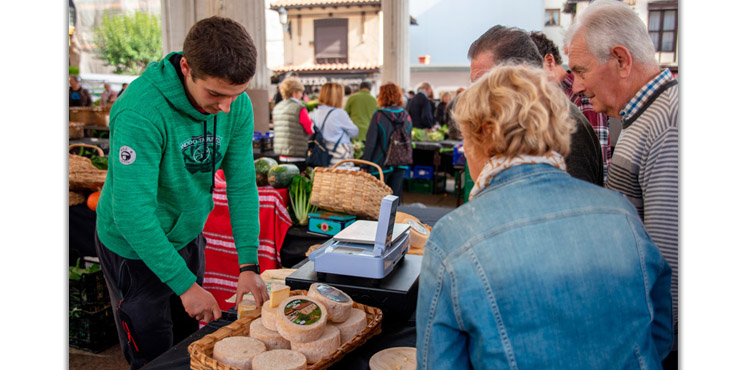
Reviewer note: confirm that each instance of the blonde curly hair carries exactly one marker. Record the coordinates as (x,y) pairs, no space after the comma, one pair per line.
(513,110)
(289,86)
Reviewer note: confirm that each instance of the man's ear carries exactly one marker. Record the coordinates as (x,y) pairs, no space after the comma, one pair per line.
(549,61)
(184,67)
(624,60)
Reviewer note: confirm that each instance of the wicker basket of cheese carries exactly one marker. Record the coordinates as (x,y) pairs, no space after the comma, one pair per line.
(304,330)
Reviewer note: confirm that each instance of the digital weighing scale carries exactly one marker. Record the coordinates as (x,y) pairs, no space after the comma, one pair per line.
(367,249)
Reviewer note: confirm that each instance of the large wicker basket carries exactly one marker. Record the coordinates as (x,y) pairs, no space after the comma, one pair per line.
(202,350)
(352,192)
(82,175)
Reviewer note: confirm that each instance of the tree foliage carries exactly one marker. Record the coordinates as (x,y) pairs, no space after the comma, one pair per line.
(129,42)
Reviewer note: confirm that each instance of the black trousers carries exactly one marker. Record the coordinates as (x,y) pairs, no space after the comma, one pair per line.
(149,316)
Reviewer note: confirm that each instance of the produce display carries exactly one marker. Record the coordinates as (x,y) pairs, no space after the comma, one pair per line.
(281,175)
(262,166)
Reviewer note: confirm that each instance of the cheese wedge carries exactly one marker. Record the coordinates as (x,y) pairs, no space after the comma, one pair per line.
(278,293)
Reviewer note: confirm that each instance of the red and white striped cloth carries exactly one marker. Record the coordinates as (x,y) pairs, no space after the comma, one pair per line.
(222,268)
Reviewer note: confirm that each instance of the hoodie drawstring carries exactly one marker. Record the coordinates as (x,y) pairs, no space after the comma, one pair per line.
(213,160)
(213,152)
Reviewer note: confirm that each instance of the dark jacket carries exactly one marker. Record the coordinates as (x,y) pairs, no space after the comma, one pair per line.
(79,98)
(420,110)
(585,158)
(379,133)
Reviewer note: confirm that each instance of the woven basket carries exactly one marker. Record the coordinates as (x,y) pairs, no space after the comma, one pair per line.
(75,198)
(82,175)
(75,130)
(202,350)
(351,192)
(90,115)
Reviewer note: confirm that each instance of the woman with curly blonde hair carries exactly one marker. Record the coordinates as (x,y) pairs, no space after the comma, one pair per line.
(539,270)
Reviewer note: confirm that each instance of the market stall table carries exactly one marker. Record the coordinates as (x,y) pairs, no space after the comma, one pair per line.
(395,332)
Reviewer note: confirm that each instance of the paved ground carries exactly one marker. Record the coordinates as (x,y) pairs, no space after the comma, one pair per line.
(110,359)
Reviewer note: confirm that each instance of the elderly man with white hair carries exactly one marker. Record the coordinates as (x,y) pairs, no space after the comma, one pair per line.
(612,56)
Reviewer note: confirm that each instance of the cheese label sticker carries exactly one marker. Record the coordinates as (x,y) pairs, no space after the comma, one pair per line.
(418,227)
(302,312)
(332,293)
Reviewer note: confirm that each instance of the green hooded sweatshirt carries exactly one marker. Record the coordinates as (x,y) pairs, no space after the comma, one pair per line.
(163,155)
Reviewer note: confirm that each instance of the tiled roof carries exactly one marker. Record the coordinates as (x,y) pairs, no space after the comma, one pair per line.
(335,67)
(309,3)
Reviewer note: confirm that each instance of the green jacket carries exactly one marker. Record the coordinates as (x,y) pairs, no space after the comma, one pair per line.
(157,195)
(360,107)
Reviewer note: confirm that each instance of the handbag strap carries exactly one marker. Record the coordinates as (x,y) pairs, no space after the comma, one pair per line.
(323,125)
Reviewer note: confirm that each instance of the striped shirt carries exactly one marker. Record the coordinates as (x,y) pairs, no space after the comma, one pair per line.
(644,165)
(598,121)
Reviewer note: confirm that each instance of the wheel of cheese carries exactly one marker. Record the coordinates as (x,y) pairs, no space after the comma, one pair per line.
(301,319)
(272,339)
(280,359)
(238,351)
(404,358)
(354,325)
(338,303)
(418,232)
(324,346)
(268,315)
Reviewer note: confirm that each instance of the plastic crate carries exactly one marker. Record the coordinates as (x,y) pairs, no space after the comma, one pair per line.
(423,172)
(89,292)
(420,186)
(458,155)
(92,331)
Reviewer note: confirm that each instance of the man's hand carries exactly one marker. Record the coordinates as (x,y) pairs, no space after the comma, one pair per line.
(200,304)
(250,282)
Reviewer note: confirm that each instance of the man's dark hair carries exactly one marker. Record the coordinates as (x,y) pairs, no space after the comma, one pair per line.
(507,44)
(221,48)
(365,85)
(546,46)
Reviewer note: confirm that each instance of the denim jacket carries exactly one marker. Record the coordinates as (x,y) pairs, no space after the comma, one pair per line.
(543,271)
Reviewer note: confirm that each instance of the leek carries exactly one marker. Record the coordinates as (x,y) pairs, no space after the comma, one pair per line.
(300,192)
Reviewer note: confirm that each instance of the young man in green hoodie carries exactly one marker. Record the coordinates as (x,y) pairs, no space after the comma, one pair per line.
(183,119)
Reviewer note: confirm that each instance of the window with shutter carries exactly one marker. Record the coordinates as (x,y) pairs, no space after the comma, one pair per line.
(331,42)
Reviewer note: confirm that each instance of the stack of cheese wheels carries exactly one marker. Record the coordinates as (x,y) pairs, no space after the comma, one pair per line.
(418,232)
(302,320)
(354,325)
(271,338)
(238,351)
(280,359)
(341,312)
(338,303)
(403,358)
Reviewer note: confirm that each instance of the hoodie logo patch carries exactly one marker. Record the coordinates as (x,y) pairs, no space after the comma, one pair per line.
(127,155)
(197,153)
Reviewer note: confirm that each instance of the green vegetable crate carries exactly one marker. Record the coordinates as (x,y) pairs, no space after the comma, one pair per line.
(91,326)
(329,223)
(423,186)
